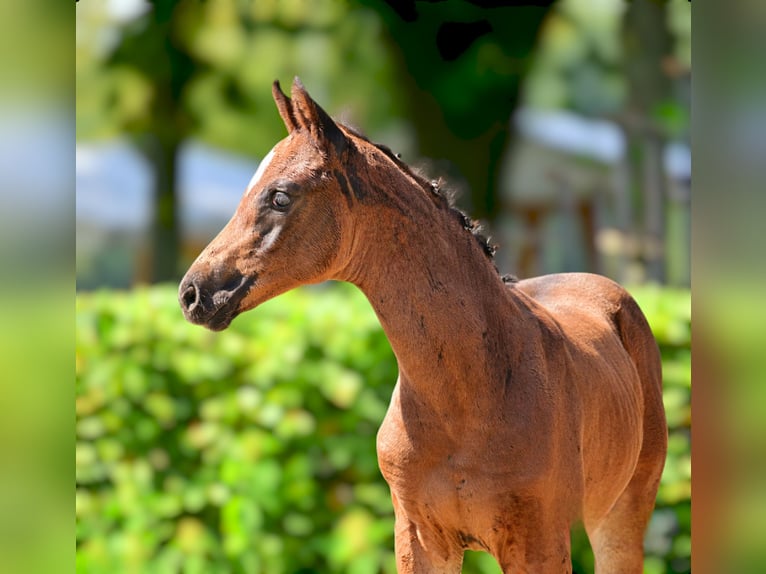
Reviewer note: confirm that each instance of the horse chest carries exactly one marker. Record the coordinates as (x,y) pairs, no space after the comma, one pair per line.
(451,504)
(436,481)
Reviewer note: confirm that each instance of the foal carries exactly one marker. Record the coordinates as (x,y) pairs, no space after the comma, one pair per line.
(520,408)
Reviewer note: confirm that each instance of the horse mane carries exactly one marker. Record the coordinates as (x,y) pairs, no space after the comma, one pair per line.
(435,188)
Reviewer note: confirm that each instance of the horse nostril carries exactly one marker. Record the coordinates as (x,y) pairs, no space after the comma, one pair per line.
(190,297)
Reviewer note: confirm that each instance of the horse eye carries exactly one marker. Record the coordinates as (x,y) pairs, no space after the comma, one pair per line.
(280,200)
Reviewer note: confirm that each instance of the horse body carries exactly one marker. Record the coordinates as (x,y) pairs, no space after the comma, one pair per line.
(520,407)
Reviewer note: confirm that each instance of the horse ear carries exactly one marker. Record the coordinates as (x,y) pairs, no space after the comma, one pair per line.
(285,106)
(310,116)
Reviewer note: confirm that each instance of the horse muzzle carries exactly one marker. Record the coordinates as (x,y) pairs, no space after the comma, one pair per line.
(209,305)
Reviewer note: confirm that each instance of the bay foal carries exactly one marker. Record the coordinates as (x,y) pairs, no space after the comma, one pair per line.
(520,408)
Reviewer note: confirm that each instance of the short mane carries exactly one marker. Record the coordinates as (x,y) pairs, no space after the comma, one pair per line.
(434,187)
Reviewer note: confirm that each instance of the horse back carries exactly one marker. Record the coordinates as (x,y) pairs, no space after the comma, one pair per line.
(595,313)
(584,305)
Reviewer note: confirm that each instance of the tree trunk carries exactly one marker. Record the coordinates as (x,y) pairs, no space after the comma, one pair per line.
(646,42)
(162,153)
(155,52)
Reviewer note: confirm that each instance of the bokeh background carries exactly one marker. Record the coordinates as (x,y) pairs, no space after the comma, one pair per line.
(564,126)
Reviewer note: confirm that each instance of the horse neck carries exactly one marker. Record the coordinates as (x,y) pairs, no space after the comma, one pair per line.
(439,298)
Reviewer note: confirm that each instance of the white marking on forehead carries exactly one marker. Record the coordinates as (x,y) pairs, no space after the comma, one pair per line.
(261,168)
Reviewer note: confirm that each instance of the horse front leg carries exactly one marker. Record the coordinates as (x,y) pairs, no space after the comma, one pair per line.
(532,545)
(419,551)
(539,557)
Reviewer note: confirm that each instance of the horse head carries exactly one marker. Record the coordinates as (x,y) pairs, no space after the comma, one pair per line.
(288,229)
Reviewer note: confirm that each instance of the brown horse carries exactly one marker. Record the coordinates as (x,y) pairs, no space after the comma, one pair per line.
(521,406)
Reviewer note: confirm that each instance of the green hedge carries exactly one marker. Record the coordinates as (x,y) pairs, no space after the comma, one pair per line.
(253,450)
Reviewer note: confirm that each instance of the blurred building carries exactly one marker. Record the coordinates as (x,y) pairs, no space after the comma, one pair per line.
(567,204)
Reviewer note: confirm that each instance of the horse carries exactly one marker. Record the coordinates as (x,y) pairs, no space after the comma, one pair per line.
(521,408)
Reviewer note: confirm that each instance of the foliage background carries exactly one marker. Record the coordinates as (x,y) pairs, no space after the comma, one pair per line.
(254,450)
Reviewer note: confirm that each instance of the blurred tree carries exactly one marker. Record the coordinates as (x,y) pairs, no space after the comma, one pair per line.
(461,65)
(647,44)
(150,48)
(627,62)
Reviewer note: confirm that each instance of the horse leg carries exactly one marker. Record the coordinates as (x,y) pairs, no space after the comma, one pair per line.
(538,547)
(618,538)
(412,557)
(556,563)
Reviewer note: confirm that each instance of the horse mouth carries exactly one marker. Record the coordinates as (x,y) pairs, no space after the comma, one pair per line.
(213,310)
(221,318)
